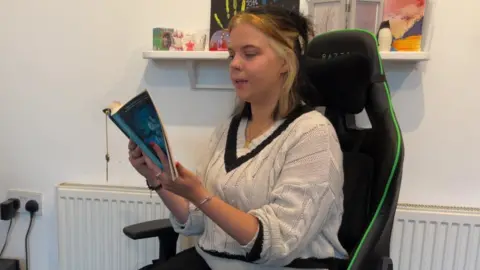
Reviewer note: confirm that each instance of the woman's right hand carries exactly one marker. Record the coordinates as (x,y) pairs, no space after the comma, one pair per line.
(136,158)
(177,205)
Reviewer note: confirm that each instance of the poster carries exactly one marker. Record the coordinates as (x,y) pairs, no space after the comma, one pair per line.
(223,10)
(405,20)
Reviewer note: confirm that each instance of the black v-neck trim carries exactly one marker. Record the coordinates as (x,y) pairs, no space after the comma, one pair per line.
(232,161)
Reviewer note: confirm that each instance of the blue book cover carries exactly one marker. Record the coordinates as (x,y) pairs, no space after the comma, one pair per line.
(138,119)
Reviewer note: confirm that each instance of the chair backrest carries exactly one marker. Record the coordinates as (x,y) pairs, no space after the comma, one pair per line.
(347,77)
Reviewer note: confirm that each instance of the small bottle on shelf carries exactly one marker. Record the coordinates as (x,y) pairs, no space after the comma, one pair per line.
(384,37)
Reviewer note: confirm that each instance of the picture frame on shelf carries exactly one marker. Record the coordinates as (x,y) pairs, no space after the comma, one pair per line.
(328,15)
(365,14)
(405,24)
(397,24)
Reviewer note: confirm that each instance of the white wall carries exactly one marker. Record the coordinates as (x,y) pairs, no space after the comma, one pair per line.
(62,61)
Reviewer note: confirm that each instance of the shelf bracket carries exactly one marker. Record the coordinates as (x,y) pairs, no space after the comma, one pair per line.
(192,77)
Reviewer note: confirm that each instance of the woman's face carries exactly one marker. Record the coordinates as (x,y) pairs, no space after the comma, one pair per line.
(256,70)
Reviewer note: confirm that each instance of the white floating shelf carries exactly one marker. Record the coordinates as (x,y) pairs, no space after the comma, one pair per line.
(191,57)
(186,55)
(404,56)
(208,55)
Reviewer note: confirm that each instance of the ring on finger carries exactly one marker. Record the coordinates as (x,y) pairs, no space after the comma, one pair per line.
(158,175)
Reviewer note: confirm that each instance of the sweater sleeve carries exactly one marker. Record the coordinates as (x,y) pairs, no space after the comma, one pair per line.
(301,200)
(195,224)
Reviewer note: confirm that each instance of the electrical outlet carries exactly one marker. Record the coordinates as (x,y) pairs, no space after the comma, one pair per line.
(24,196)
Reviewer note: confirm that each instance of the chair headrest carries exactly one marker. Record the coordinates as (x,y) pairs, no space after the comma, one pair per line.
(341,82)
(341,65)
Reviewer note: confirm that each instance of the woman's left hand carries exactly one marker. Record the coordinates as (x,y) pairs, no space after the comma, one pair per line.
(186,185)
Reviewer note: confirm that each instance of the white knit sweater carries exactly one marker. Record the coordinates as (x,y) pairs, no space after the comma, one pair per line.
(290,178)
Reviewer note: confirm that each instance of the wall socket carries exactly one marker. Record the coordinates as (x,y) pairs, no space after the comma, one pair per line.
(24,196)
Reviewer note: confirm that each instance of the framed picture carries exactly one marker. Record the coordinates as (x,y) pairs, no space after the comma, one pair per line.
(330,15)
(223,10)
(405,20)
(327,15)
(365,14)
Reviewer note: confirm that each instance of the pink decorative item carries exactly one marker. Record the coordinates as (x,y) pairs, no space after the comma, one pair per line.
(194,40)
(219,41)
(177,44)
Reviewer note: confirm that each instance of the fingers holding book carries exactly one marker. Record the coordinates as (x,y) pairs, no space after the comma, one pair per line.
(136,153)
(137,159)
(187,185)
(160,175)
(163,158)
(131,145)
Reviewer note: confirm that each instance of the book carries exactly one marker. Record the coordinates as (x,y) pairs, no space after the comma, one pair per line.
(140,121)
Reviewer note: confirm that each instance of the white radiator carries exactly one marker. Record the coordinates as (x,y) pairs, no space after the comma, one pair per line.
(91,219)
(90,224)
(436,238)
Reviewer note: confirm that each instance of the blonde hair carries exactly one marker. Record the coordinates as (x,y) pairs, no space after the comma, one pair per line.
(283,36)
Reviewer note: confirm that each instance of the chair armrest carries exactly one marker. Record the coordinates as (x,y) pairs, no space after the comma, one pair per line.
(161,228)
(155,228)
(385,263)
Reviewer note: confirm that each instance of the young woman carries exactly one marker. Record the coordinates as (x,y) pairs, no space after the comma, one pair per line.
(268,191)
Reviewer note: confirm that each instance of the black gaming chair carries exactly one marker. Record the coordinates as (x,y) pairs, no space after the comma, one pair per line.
(346,69)
(346,77)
